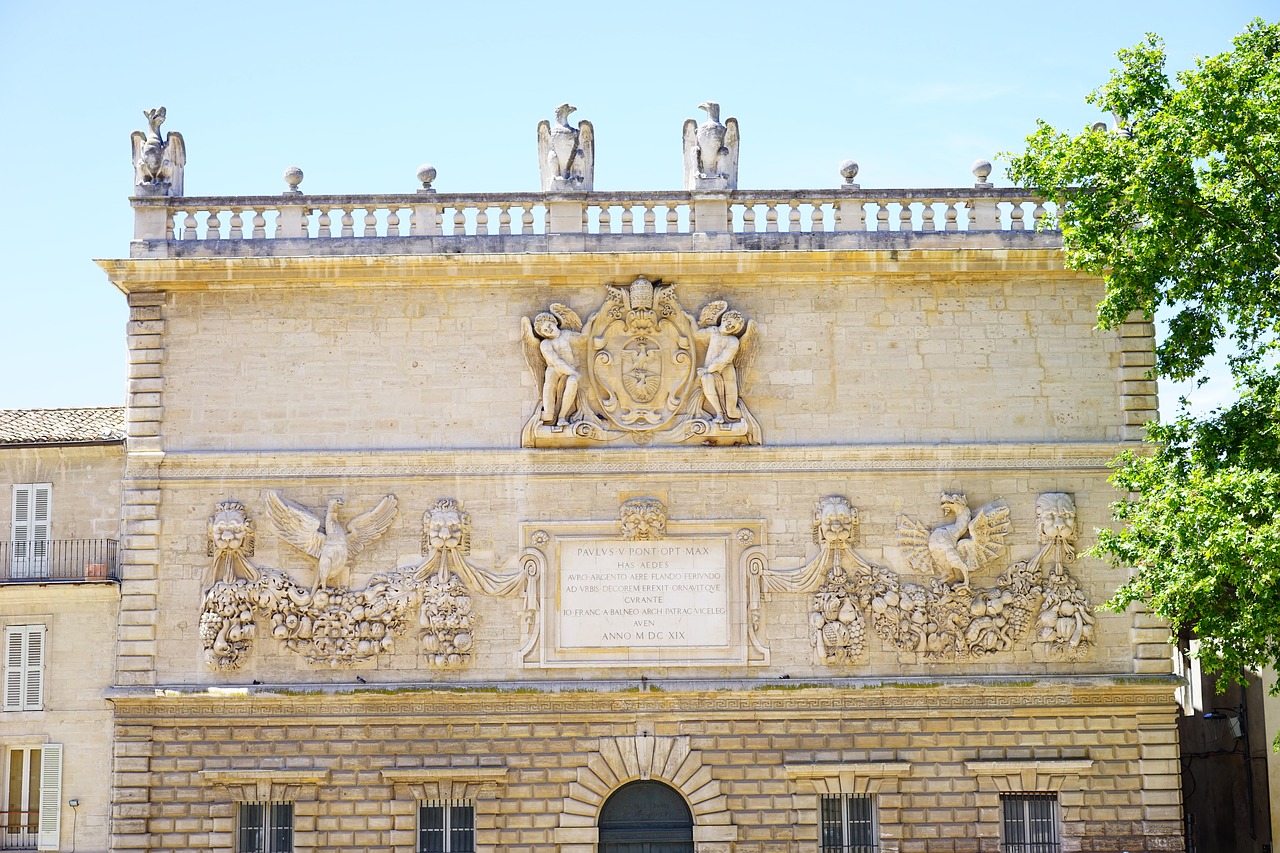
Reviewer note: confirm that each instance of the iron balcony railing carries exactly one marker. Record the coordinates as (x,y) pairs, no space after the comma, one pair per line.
(44,560)
(19,830)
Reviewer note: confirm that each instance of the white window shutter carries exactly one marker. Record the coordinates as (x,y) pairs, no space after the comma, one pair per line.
(40,518)
(14,657)
(33,690)
(50,796)
(21,518)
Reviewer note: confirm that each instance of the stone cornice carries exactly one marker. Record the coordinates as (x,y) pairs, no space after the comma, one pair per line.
(195,466)
(675,697)
(567,268)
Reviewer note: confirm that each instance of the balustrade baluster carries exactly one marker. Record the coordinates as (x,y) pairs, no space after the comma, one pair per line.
(325,221)
(926,216)
(1016,222)
(650,220)
(771,216)
(237,224)
(749,218)
(882,216)
(546,219)
(905,217)
(606,220)
(482,221)
(953,223)
(393,222)
(793,217)
(526,220)
(816,218)
(628,219)
(259,225)
(672,219)
(348,222)
(370,223)
(504,218)
(212,227)
(1037,214)
(458,222)
(170,225)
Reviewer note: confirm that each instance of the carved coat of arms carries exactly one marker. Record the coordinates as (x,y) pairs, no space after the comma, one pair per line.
(640,368)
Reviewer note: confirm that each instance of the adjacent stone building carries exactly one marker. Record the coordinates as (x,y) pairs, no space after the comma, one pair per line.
(59,596)
(718,520)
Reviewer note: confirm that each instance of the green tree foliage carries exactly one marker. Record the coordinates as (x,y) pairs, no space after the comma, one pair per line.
(1177,208)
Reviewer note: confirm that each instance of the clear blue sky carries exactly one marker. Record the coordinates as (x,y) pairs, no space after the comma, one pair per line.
(915,92)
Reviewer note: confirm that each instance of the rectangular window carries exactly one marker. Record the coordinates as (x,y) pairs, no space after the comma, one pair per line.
(24,667)
(1030,823)
(849,823)
(32,798)
(446,826)
(30,555)
(265,828)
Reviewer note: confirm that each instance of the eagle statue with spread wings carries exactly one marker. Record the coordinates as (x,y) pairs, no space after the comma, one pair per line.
(566,155)
(711,151)
(331,543)
(157,159)
(955,550)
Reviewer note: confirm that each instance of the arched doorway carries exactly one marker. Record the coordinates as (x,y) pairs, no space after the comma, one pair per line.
(646,817)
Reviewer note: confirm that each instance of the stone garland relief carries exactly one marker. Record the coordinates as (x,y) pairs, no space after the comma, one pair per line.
(949,618)
(328,622)
(639,368)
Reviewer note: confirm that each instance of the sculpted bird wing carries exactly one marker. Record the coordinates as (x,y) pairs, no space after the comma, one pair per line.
(568,318)
(363,529)
(544,154)
(690,152)
(586,149)
(913,539)
(986,534)
(139,140)
(729,160)
(746,349)
(711,313)
(295,524)
(532,349)
(175,151)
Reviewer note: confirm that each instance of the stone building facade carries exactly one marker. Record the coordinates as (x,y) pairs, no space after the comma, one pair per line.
(712,520)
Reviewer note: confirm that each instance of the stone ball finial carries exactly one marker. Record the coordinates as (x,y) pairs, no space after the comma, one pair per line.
(849,171)
(426,174)
(981,169)
(293,177)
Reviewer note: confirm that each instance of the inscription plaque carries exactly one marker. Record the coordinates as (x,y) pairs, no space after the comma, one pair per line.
(665,594)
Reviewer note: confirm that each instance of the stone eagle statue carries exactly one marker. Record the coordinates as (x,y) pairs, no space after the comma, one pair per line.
(158,160)
(711,151)
(566,155)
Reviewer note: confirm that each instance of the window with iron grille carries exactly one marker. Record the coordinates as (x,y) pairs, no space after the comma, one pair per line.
(1030,823)
(265,828)
(446,826)
(849,824)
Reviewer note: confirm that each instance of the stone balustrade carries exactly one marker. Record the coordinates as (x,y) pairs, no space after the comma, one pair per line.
(351,224)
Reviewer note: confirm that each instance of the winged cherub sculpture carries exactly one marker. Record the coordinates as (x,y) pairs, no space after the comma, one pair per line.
(331,543)
(955,550)
(726,338)
(566,155)
(553,344)
(158,160)
(711,151)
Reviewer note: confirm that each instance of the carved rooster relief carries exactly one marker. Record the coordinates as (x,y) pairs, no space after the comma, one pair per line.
(954,550)
(329,542)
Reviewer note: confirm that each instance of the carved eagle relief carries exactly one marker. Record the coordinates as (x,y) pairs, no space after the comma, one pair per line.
(329,542)
(953,551)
